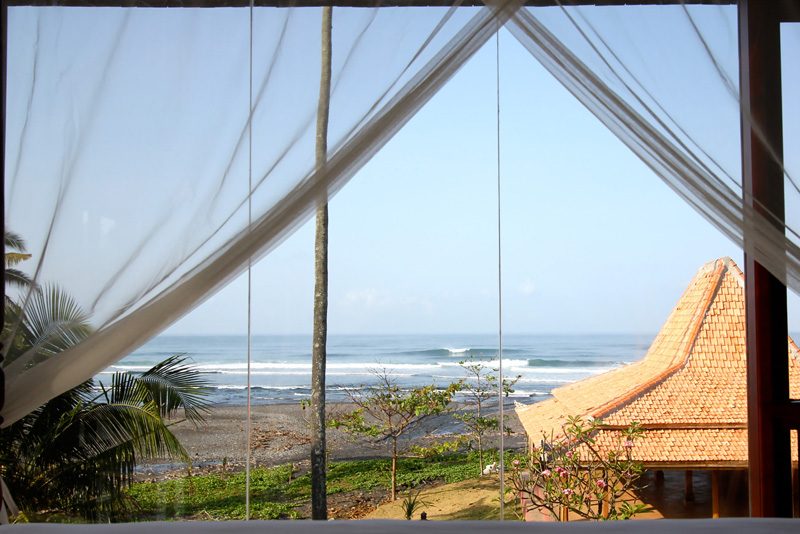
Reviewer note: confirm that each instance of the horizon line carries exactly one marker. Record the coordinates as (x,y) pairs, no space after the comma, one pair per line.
(365,334)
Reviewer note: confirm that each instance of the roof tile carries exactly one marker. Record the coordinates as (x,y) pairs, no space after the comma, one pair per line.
(692,380)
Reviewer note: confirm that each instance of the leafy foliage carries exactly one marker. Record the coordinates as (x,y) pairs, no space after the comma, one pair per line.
(52,322)
(220,496)
(386,412)
(480,387)
(174,385)
(411,503)
(76,453)
(575,474)
(15,253)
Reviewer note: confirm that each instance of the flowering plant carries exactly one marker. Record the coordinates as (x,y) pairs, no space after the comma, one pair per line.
(574,474)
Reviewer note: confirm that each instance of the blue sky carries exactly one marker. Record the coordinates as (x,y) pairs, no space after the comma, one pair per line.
(593,241)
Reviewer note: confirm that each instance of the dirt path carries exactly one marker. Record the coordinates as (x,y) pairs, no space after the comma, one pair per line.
(470,499)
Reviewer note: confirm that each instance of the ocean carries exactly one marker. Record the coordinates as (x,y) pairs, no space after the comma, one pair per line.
(281,365)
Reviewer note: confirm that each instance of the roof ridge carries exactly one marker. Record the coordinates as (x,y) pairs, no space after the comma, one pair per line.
(732,266)
(555,392)
(721,266)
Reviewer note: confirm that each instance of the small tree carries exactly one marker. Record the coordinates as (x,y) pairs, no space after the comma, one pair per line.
(385,412)
(480,388)
(575,474)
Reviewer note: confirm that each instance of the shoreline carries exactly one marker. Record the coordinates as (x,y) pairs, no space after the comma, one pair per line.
(279,435)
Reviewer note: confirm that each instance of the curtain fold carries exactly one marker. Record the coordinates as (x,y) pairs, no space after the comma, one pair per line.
(412,55)
(127,135)
(664,80)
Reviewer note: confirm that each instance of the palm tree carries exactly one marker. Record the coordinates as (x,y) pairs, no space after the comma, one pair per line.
(15,253)
(15,279)
(76,453)
(51,322)
(319,505)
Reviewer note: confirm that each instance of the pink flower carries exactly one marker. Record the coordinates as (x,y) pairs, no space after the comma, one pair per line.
(601,484)
(570,454)
(629,444)
(567,492)
(546,473)
(515,463)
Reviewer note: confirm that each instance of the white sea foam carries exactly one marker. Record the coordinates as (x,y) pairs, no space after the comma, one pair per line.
(277,388)
(489,364)
(531,380)
(566,371)
(303,373)
(542,362)
(524,393)
(285,367)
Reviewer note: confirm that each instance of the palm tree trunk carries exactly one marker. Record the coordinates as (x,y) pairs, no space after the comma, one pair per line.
(319,503)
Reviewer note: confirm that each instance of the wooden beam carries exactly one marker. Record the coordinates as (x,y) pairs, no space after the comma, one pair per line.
(563,514)
(715,494)
(796,484)
(796,476)
(688,486)
(4,44)
(765,296)
(338,3)
(699,466)
(790,10)
(682,426)
(789,413)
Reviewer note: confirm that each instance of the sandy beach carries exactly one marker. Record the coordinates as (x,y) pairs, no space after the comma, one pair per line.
(280,435)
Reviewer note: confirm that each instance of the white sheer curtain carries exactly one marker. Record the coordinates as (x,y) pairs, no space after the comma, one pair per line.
(127,154)
(665,80)
(127,129)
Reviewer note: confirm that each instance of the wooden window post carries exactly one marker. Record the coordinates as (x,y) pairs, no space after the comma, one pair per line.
(765,296)
(715,494)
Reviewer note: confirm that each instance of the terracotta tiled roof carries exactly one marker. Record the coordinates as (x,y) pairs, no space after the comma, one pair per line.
(690,388)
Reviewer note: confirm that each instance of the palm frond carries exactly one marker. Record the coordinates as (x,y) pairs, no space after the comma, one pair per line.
(78,451)
(126,389)
(14,242)
(174,386)
(15,258)
(16,278)
(79,455)
(53,322)
(135,425)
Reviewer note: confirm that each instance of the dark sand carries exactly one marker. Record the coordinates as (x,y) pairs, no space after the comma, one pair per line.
(280,435)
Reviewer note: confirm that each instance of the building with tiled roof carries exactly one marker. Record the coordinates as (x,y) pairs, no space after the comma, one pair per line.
(688,392)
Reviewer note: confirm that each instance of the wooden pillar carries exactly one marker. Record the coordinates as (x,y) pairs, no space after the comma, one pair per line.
(796,487)
(688,490)
(564,513)
(715,494)
(4,45)
(659,478)
(765,295)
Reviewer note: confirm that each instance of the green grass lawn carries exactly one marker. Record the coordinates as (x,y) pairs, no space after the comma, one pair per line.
(272,496)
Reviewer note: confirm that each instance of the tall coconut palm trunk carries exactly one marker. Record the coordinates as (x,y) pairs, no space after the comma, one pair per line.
(319,502)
